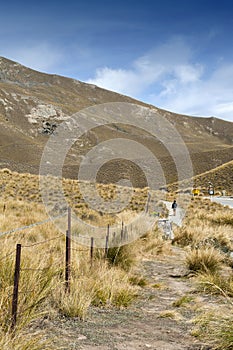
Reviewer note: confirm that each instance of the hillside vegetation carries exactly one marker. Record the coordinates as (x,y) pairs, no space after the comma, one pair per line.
(109,281)
(221,178)
(33,103)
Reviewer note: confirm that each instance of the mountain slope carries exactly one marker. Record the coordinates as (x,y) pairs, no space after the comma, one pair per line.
(221,178)
(30,100)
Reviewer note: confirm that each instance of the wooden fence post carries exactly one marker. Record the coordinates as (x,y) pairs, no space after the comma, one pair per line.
(16,286)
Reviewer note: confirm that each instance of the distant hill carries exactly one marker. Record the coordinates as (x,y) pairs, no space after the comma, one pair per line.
(221,178)
(30,99)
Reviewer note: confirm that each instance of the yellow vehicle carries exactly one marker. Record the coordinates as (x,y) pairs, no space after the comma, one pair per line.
(195,191)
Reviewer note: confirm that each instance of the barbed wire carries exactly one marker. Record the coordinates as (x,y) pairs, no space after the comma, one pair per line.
(9,254)
(31,269)
(42,242)
(26,291)
(80,236)
(78,243)
(32,225)
(80,250)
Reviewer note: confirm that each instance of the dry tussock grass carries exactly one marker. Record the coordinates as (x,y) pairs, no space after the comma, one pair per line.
(216,328)
(203,227)
(207,233)
(108,283)
(204,260)
(207,237)
(23,341)
(25,187)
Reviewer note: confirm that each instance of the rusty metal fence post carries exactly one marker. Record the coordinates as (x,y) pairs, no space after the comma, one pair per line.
(92,250)
(68,253)
(122,231)
(16,286)
(67,267)
(106,243)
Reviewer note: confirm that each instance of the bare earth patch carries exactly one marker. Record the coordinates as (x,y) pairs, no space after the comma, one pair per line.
(159,319)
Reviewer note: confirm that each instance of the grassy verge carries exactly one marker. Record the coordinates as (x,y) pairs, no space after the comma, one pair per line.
(110,282)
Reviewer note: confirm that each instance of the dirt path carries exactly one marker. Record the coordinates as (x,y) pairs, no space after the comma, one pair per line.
(152,322)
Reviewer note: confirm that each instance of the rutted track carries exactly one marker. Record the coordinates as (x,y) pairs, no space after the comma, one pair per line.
(140,326)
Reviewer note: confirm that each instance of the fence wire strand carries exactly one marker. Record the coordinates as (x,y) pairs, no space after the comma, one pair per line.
(32,225)
(9,254)
(42,242)
(80,250)
(25,292)
(31,269)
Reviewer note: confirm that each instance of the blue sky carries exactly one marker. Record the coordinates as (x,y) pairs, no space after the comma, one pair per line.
(176,55)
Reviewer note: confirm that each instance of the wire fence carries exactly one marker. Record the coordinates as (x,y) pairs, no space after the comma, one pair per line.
(43,242)
(118,235)
(17,292)
(7,255)
(32,225)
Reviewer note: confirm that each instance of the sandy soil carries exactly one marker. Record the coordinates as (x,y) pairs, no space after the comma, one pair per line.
(152,322)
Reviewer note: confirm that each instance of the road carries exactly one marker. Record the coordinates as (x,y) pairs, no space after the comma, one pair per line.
(180,213)
(223,200)
(178,218)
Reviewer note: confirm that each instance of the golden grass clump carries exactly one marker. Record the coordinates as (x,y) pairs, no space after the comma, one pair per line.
(207,224)
(216,328)
(203,260)
(216,283)
(107,283)
(23,341)
(124,256)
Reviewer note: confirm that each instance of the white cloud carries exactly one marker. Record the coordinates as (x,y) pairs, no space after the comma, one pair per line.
(169,77)
(120,80)
(210,96)
(188,73)
(146,70)
(40,56)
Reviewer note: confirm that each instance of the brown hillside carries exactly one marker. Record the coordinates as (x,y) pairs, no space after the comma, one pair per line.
(221,177)
(28,98)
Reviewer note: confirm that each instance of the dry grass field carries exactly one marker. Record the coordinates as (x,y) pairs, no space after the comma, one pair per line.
(111,282)
(25,187)
(204,244)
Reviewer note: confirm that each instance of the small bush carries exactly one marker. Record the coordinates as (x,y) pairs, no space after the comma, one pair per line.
(75,303)
(123,297)
(124,256)
(216,284)
(216,329)
(185,299)
(138,281)
(204,260)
